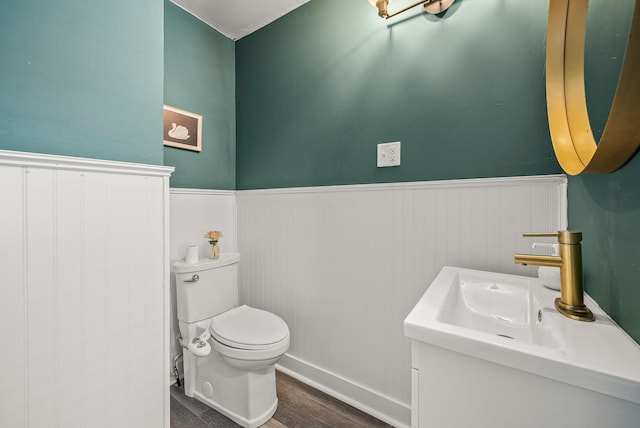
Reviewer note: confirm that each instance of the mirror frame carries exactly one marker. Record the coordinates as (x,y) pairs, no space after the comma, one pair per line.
(569,124)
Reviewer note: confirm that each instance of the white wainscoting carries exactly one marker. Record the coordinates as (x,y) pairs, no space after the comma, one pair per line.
(344,265)
(193,213)
(85,265)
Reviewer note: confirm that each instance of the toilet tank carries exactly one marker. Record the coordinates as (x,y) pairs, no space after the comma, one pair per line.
(206,288)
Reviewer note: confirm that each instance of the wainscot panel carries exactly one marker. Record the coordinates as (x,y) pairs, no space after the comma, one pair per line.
(84,253)
(344,265)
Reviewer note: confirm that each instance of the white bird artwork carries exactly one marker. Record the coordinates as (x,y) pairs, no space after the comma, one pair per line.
(178,132)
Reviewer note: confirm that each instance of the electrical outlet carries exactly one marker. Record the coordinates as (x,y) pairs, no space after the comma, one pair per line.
(389,154)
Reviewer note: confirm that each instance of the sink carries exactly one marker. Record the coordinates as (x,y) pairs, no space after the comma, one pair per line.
(507,325)
(503,306)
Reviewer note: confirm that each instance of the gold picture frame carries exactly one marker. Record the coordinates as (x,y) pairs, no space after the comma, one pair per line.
(182,129)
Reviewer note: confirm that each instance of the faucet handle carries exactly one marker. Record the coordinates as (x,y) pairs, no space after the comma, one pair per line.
(541,235)
(564,236)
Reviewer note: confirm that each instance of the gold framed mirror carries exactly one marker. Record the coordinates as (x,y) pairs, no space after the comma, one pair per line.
(573,141)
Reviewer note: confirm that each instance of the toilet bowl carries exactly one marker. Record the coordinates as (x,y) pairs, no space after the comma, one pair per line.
(230,351)
(249,338)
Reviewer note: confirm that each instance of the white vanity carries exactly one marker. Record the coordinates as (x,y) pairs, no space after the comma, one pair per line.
(490,350)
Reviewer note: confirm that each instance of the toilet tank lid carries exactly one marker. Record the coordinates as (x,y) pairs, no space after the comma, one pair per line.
(206,264)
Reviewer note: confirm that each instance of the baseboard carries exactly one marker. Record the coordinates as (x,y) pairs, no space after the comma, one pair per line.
(378,405)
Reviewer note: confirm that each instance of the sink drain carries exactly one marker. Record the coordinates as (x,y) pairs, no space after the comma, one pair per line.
(504,335)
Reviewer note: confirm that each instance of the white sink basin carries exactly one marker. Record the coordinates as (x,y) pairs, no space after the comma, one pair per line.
(510,320)
(506,307)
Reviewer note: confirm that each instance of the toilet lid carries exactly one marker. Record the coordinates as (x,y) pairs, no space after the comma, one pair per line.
(249,328)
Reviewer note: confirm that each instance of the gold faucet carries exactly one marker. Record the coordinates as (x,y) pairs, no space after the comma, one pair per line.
(571,300)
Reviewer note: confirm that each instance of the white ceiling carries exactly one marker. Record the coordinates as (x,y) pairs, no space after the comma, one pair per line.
(237,18)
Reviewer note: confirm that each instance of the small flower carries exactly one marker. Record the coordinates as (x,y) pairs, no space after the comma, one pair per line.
(213,236)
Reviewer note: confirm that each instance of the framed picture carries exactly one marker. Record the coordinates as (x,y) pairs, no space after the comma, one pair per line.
(182,129)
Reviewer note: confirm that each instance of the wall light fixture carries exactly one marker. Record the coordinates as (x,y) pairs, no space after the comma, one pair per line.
(430,6)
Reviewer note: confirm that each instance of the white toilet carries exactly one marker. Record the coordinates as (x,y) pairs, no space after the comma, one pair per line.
(230,351)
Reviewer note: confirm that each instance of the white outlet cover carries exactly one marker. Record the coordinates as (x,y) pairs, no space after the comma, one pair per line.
(389,154)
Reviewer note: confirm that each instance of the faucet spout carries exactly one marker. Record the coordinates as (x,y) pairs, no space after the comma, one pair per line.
(571,300)
(535,260)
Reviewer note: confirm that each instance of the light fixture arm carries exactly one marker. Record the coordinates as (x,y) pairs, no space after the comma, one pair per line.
(382,6)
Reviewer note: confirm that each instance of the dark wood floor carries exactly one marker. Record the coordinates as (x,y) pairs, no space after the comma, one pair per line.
(299,406)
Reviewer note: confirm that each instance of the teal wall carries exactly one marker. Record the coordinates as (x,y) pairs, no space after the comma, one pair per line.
(199,76)
(316,91)
(464,93)
(606,208)
(82,78)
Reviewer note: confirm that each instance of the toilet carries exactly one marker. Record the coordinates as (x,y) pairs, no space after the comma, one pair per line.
(230,351)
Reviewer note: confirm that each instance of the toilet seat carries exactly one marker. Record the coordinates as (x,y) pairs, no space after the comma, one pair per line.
(251,329)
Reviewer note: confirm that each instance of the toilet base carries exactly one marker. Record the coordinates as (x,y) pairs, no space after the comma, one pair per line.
(246,397)
(256,422)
